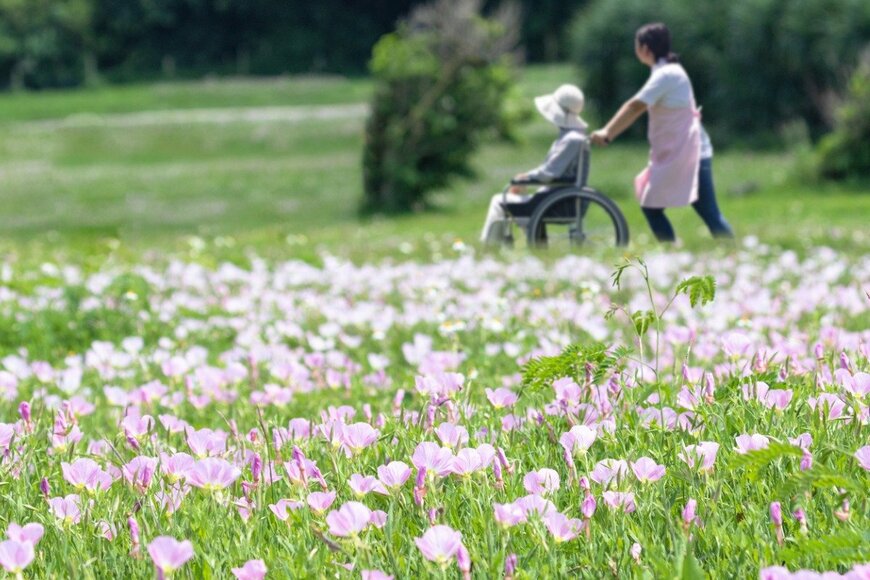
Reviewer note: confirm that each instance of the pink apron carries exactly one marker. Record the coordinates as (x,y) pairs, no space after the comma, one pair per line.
(671,178)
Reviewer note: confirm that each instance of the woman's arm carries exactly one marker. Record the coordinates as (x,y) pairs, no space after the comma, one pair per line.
(623,119)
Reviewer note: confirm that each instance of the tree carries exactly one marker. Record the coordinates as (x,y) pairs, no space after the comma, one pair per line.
(845,153)
(442,81)
(44,42)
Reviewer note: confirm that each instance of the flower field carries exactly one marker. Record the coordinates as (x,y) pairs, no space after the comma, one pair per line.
(469,416)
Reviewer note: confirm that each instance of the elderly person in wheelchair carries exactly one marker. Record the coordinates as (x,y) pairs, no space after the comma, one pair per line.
(564,201)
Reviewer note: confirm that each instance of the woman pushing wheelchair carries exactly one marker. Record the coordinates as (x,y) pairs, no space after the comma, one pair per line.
(680,165)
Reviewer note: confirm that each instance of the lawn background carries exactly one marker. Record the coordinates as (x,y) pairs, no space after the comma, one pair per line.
(86,170)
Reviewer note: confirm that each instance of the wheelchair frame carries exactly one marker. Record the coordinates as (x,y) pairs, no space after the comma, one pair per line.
(533,214)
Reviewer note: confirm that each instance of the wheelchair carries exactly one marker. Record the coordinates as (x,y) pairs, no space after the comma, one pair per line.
(566,214)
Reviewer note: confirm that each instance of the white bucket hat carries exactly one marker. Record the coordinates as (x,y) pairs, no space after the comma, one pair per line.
(563,107)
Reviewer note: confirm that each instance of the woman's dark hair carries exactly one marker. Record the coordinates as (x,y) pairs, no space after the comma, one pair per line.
(657,38)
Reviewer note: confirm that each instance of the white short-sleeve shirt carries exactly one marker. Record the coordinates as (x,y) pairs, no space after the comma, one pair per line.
(668,86)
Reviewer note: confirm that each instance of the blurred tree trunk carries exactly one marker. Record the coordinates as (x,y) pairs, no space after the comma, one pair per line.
(91,68)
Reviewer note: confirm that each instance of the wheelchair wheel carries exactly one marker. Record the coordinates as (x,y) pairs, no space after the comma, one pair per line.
(577,218)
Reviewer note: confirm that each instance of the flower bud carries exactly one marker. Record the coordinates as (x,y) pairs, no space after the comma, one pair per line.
(588,506)
(845,363)
(635,552)
(256,467)
(806,461)
(24,411)
(689,516)
(134,536)
(463,560)
(45,487)
(776,513)
(397,402)
(510,566)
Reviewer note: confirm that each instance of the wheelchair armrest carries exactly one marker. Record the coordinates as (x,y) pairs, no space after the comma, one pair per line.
(526,182)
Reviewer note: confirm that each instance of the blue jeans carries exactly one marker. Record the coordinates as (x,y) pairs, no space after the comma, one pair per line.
(705,206)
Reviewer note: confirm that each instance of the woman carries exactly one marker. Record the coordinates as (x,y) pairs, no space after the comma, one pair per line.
(562,109)
(680,167)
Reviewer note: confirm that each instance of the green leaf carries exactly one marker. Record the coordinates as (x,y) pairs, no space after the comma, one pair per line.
(755,461)
(700,289)
(842,549)
(642,320)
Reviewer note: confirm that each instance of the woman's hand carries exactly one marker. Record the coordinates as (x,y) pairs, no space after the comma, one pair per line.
(600,137)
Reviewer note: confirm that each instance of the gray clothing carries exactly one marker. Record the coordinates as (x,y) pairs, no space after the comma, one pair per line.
(562,159)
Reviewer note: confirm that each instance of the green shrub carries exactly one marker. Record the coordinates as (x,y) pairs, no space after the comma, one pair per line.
(845,153)
(442,81)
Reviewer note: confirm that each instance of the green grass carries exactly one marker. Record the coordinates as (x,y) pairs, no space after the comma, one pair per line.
(258,182)
(243,92)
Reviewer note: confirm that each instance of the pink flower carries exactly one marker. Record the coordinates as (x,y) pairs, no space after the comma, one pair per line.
(608,470)
(857,384)
(440,544)
(747,443)
(361,485)
(501,397)
(804,441)
(137,426)
(374,575)
(140,471)
(439,384)
(647,470)
(567,391)
(535,505)
(543,482)
(467,461)
(320,501)
(435,459)
(176,466)
(280,508)
(213,474)
(578,440)
(453,436)
(15,556)
(86,474)
(777,398)
(206,442)
(863,457)
(31,533)
(831,403)
(349,520)
(508,514)
(66,508)
(169,554)
(354,438)
(252,570)
(378,519)
(394,474)
(617,499)
(701,456)
(563,528)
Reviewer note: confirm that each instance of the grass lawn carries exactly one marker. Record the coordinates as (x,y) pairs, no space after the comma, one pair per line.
(82,167)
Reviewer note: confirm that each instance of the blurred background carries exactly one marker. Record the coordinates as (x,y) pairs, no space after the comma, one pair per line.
(300,123)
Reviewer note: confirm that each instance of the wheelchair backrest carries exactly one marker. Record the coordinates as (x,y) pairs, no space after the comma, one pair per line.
(582,178)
